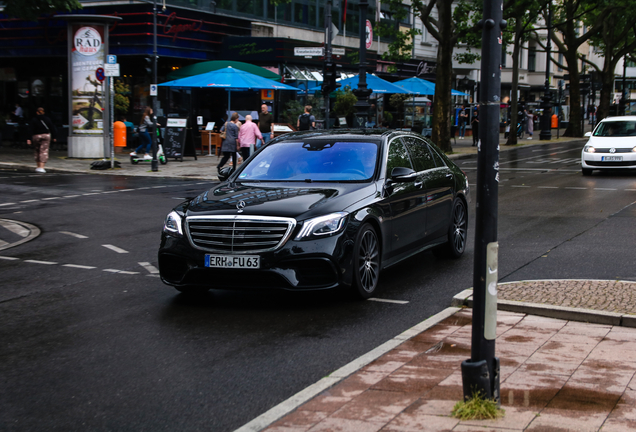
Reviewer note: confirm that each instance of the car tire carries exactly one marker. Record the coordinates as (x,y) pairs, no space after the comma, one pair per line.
(192,290)
(457,233)
(366,262)
(586,171)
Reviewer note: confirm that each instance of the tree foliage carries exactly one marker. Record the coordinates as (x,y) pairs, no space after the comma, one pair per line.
(30,10)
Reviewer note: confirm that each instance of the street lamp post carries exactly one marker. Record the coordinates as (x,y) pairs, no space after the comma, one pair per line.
(155,163)
(362,92)
(546,104)
(480,374)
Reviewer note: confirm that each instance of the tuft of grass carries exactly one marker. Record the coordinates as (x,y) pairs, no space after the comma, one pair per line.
(477,408)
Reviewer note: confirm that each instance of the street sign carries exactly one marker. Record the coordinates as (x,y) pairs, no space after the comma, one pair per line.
(111,70)
(99,74)
(309,51)
(334,31)
(369,35)
(153,89)
(338,51)
(111,59)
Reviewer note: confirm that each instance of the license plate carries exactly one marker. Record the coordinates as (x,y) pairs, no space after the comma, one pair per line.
(612,158)
(233,261)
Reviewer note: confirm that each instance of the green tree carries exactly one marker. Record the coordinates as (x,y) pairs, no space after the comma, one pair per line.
(456,21)
(522,15)
(616,40)
(568,34)
(345,103)
(121,98)
(30,10)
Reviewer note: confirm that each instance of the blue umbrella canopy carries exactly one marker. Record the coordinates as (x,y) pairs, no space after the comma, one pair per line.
(228,78)
(377,84)
(422,87)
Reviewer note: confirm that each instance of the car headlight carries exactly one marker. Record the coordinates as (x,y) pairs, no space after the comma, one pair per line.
(589,149)
(172,224)
(634,149)
(323,225)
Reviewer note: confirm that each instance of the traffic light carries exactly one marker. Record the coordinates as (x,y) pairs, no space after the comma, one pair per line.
(330,74)
(148,67)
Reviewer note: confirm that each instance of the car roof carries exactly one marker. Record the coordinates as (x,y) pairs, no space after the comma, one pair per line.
(346,134)
(619,118)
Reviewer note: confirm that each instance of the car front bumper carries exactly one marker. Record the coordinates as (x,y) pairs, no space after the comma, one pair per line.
(297,265)
(599,160)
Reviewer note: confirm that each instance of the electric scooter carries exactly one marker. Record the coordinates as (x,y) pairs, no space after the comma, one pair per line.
(161,157)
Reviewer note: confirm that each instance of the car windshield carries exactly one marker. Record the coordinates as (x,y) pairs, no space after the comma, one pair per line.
(616,129)
(313,161)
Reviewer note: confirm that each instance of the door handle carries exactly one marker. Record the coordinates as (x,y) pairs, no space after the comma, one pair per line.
(449,175)
(418,184)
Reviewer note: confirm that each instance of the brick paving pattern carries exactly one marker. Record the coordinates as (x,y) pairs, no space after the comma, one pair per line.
(607,296)
(556,375)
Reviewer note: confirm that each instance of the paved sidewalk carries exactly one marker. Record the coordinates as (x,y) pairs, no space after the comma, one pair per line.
(556,375)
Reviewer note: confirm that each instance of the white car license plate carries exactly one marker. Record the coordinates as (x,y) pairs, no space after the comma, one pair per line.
(233,261)
(612,158)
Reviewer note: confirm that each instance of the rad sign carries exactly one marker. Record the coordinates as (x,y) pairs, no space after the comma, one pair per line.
(87,59)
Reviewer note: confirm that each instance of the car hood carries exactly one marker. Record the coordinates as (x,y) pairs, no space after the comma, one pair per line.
(296,200)
(608,142)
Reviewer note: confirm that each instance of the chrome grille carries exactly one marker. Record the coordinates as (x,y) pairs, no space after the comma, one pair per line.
(238,234)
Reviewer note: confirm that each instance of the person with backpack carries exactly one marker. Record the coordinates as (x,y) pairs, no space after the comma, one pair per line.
(306,121)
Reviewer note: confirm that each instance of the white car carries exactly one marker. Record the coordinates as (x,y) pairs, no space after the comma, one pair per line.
(612,145)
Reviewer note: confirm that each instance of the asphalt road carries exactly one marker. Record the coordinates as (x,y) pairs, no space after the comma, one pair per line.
(92,340)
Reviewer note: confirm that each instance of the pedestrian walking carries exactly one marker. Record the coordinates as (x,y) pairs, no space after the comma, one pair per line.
(306,121)
(247,136)
(474,123)
(461,121)
(144,134)
(530,124)
(229,145)
(265,125)
(42,130)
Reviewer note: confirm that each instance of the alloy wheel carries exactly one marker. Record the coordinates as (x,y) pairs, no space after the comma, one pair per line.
(459,227)
(368,261)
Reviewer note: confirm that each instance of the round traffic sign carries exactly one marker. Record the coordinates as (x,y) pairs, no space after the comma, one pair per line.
(99,74)
(369,34)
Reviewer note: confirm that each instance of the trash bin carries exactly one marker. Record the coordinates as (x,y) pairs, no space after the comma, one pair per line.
(119,133)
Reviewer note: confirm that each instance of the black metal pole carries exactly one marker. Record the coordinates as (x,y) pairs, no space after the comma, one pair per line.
(623,102)
(362,92)
(546,105)
(327,58)
(155,163)
(480,374)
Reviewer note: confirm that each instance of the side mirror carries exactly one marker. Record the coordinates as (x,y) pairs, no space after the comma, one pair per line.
(588,134)
(401,174)
(224,173)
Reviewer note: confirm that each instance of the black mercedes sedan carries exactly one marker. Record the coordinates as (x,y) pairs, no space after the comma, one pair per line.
(318,210)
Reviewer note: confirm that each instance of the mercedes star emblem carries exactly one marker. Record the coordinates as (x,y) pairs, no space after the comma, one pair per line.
(240,205)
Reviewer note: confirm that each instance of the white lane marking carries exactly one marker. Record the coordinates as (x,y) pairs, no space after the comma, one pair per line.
(119,271)
(111,270)
(289,405)
(50,198)
(9,258)
(388,300)
(70,196)
(115,248)
(15,228)
(153,275)
(92,193)
(40,262)
(520,186)
(631,190)
(115,191)
(128,272)
(151,269)
(577,188)
(158,187)
(533,157)
(79,266)
(73,234)
(126,190)
(547,187)
(6,204)
(28,201)
(3,243)
(604,189)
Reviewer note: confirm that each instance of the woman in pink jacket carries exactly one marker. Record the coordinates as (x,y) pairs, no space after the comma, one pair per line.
(247,136)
